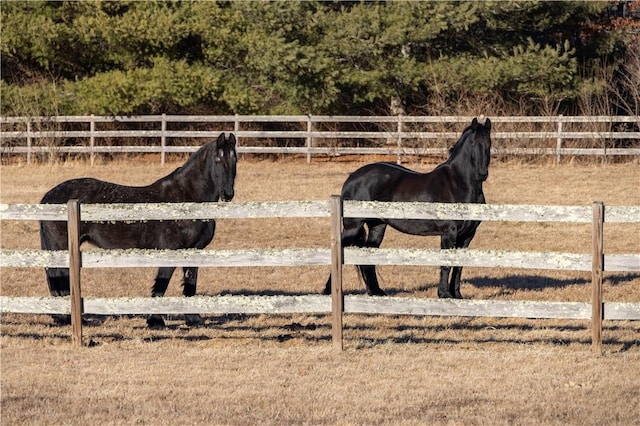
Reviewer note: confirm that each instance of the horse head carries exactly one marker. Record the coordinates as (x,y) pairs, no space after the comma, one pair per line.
(474,150)
(482,147)
(224,167)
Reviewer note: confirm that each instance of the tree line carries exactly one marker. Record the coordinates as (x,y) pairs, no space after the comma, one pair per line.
(375,57)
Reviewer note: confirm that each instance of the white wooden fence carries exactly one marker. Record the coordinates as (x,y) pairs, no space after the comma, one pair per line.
(336,256)
(393,135)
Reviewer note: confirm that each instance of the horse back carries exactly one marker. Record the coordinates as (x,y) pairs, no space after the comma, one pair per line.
(90,190)
(391,182)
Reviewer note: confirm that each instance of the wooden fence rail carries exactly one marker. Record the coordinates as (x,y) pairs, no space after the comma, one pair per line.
(336,256)
(393,131)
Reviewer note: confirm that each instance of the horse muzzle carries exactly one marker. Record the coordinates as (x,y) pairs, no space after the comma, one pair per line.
(226,197)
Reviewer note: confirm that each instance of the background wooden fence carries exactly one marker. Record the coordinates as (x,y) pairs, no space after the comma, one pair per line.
(336,256)
(320,135)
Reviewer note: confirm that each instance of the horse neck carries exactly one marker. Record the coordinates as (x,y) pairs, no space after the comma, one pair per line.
(191,181)
(459,163)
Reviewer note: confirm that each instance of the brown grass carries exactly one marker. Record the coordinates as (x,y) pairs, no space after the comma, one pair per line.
(280,369)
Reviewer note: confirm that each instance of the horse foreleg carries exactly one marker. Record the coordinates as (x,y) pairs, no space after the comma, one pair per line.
(454,284)
(159,288)
(444,292)
(189,281)
(447,241)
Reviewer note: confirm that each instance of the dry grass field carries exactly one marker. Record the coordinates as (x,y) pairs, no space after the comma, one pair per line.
(281,369)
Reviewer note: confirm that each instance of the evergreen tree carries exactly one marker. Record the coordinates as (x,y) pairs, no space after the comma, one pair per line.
(131,57)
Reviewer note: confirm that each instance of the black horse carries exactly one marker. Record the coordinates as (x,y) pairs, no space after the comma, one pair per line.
(207,176)
(457,180)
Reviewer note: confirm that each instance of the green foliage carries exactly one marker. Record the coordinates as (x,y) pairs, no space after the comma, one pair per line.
(165,87)
(132,57)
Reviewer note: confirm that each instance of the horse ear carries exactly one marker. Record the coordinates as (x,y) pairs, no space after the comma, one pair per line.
(232,140)
(220,142)
(474,124)
(487,124)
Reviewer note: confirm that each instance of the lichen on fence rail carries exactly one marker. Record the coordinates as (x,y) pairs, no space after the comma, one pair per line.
(99,258)
(318,209)
(227,304)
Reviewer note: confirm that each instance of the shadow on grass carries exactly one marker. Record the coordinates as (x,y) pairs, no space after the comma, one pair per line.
(525,282)
(615,345)
(315,329)
(245,292)
(540,282)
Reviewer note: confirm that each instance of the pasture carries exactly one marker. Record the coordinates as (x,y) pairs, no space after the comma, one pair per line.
(279,369)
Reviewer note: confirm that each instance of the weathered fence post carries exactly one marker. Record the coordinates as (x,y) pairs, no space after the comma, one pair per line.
(92,139)
(236,127)
(399,155)
(559,139)
(309,139)
(597,267)
(163,139)
(337,298)
(73,230)
(28,141)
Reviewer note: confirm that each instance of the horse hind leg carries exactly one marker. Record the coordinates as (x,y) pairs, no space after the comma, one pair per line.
(368,272)
(456,274)
(58,282)
(53,236)
(189,281)
(353,235)
(159,288)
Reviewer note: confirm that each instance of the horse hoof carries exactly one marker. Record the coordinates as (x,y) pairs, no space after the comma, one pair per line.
(155,323)
(377,292)
(193,320)
(445,295)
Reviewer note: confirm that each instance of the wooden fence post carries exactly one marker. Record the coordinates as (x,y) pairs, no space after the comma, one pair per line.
(559,139)
(399,155)
(163,139)
(236,129)
(337,298)
(92,139)
(597,249)
(29,143)
(73,229)
(309,139)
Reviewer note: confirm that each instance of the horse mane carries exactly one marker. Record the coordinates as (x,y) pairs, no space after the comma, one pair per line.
(399,167)
(457,147)
(192,159)
(202,151)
